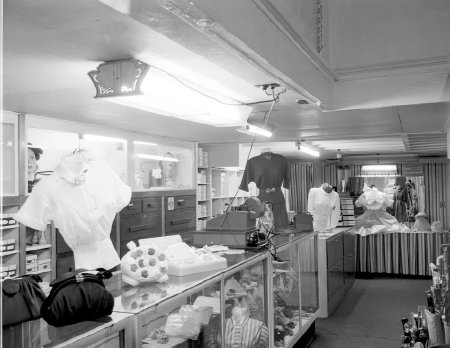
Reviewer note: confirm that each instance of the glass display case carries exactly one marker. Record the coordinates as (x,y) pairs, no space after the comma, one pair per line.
(163,164)
(246,312)
(10,162)
(55,144)
(286,301)
(230,307)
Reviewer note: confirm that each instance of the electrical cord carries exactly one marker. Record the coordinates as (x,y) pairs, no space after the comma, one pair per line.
(266,119)
(275,96)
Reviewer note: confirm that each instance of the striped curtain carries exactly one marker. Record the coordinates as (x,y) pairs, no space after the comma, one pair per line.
(330,172)
(301,176)
(435,180)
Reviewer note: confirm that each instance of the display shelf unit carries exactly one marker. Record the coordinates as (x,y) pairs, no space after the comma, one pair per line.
(14,261)
(217,188)
(10,248)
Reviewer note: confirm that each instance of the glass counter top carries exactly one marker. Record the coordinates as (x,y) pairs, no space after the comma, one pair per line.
(134,299)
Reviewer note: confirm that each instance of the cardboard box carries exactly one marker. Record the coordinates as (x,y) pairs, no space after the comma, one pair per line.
(44,265)
(8,244)
(31,259)
(31,268)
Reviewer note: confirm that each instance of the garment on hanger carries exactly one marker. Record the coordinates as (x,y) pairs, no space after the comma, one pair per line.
(354,185)
(324,205)
(81,198)
(269,171)
(401,205)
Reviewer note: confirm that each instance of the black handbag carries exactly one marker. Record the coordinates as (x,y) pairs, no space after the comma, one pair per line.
(304,222)
(78,296)
(22,299)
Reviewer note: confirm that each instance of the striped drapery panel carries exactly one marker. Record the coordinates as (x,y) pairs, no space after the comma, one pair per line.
(436,181)
(399,253)
(301,177)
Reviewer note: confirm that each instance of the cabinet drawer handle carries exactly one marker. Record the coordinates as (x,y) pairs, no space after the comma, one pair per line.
(181,202)
(179,222)
(149,205)
(130,206)
(141,227)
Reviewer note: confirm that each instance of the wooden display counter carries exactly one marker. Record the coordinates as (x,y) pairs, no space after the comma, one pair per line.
(336,264)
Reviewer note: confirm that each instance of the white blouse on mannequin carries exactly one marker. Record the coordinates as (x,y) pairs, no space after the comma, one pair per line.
(325,207)
(82,199)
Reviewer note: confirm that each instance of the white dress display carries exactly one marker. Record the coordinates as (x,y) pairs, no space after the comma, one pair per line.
(375,219)
(82,199)
(325,207)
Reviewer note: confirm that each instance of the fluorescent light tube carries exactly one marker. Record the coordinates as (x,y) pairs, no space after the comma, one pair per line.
(379,168)
(145,143)
(100,138)
(309,150)
(157,158)
(254,130)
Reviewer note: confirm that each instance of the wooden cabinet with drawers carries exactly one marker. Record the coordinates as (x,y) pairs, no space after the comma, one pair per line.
(156,213)
(336,261)
(141,218)
(179,214)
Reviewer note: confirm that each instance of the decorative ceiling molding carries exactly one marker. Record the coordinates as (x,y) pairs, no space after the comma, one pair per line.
(278,20)
(191,14)
(395,69)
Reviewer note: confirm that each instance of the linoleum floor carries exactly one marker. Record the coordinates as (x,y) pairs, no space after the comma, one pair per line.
(369,315)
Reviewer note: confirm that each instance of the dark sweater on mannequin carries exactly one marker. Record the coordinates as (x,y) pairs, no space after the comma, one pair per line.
(269,171)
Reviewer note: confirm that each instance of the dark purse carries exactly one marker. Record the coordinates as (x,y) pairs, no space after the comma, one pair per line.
(22,299)
(78,296)
(304,222)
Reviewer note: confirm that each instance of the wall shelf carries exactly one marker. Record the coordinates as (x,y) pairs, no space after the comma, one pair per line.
(38,247)
(4,228)
(6,253)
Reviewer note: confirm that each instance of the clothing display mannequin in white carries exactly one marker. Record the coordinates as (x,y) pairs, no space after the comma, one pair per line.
(324,205)
(82,198)
(375,219)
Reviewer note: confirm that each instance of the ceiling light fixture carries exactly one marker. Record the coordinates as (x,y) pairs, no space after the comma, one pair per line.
(101,138)
(379,168)
(255,130)
(156,158)
(133,83)
(145,143)
(308,149)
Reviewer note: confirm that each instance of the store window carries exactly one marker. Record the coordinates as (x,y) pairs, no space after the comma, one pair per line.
(162,164)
